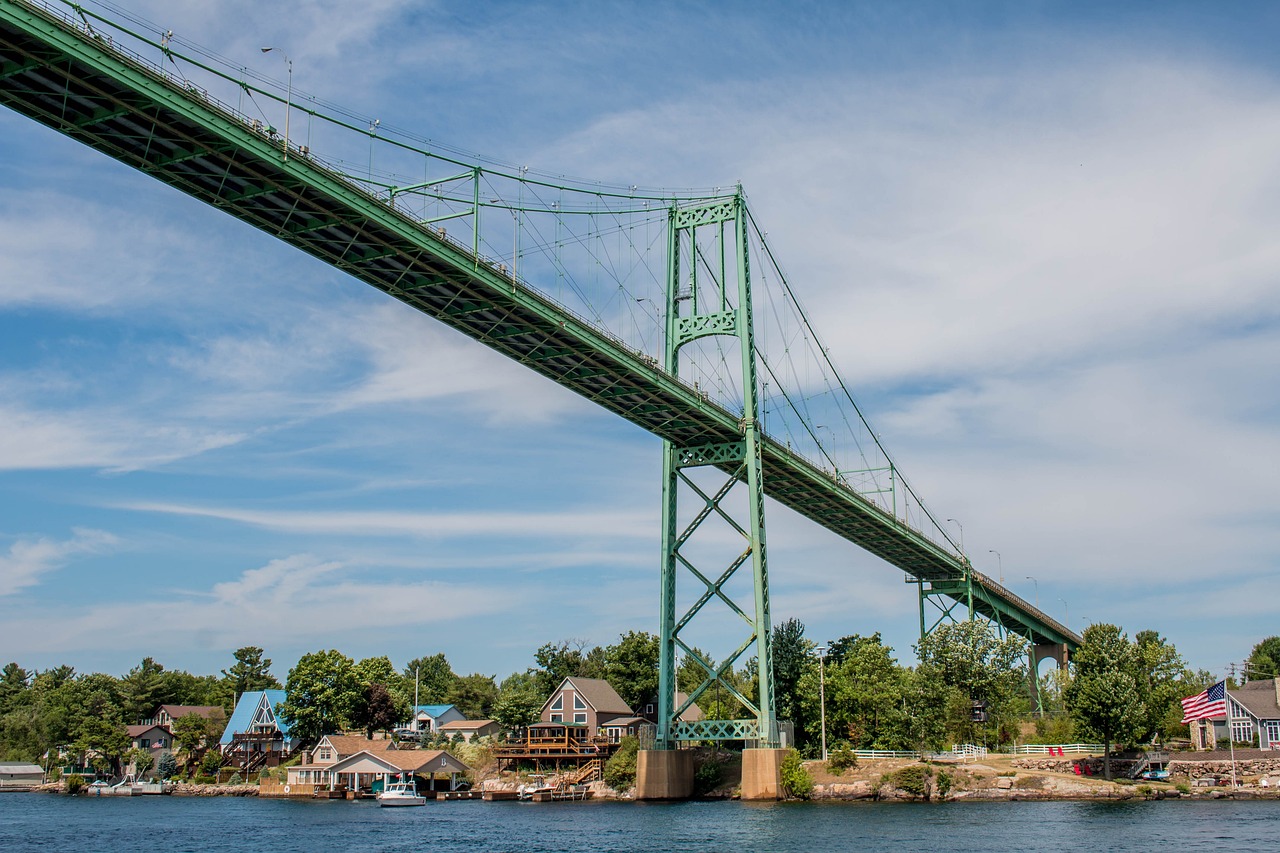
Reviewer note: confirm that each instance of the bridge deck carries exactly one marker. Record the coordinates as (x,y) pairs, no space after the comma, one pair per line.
(76,83)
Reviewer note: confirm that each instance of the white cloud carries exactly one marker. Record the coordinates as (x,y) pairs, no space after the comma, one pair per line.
(30,559)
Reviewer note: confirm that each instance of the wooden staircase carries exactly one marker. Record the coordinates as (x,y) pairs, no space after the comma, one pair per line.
(589,772)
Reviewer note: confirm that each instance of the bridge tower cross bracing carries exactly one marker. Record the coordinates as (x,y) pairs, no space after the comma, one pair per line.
(702,301)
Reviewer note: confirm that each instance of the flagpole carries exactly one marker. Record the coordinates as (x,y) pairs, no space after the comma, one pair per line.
(1231,737)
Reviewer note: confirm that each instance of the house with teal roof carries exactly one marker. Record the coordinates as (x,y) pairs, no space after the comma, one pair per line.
(429,718)
(255,736)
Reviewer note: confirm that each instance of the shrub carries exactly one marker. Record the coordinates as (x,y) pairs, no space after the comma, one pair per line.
(913,779)
(205,780)
(708,776)
(75,783)
(841,760)
(796,781)
(211,763)
(235,779)
(1183,788)
(620,770)
(1145,791)
(944,783)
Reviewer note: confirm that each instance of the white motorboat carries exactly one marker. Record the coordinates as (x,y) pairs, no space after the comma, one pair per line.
(401,794)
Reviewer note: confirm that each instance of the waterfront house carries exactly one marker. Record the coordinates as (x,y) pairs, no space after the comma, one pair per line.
(357,763)
(1255,718)
(152,738)
(165,715)
(429,718)
(470,729)
(255,736)
(589,702)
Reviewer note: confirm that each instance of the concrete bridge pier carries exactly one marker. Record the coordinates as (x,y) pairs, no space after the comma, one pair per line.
(664,774)
(762,774)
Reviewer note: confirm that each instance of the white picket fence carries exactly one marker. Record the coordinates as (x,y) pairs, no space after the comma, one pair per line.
(1044,748)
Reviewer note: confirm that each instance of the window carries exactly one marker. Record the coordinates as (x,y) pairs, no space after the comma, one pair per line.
(558,705)
(146,743)
(648,709)
(1273,733)
(557,718)
(580,717)
(1242,730)
(578,703)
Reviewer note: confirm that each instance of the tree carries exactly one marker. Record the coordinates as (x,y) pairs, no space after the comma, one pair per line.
(141,759)
(190,732)
(378,710)
(558,661)
(864,698)
(251,671)
(518,702)
(792,657)
(167,766)
(977,666)
(475,696)
(323,693)
(142,690)
(1159,671)
(631,667)
(1264,660)
(434,678)
(14,683)
(1104,697)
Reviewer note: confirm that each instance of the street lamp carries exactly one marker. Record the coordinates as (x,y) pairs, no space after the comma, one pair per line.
(288,97)
(999,562)
(1067,610)
(822,694)
(961,526)
(1037,583)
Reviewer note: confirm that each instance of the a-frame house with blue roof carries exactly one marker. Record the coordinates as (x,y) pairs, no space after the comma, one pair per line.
(255,736)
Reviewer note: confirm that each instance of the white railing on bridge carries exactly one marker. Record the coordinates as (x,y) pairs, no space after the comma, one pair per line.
(1051,748)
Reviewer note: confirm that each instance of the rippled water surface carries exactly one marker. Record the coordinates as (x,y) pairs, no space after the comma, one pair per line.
(108,825)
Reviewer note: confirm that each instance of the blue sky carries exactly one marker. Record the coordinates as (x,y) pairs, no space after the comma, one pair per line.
(1039,238)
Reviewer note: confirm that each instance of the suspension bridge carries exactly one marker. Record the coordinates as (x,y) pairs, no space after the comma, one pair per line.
(665,307)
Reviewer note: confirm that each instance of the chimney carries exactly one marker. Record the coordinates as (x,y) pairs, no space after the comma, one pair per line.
(1275,682)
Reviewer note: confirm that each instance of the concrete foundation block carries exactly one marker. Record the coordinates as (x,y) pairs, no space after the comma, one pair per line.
(664,774)
(762,774)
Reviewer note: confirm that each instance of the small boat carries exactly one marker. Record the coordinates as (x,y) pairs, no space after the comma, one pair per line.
(401,794)
(537,786)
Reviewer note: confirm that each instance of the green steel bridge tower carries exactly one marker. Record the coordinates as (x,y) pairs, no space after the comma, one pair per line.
(318,187)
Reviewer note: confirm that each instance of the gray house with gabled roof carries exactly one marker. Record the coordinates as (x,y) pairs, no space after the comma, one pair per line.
(589,702)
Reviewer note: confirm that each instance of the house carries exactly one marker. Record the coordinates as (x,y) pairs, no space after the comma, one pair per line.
(589,702)
(429,718)
(357,763)
(619,727)
(165,715)
(370,770)
(1255,717)
(470,729)
(19,775)
(255,736)
(150,737)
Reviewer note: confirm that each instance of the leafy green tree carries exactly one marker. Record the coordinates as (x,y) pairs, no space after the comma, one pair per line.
(519,701)
(558,661)
(323,693)
(101,733)
(190,733)
(141,759)
(796,781)
(977,666)
(1104,697)
(475,696)
(620,769)
(864,697)
(1159,672)
(250,672)
(631,666)
(434,678)
(1264,660)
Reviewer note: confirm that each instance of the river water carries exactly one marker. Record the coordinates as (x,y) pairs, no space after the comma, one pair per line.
(51,824)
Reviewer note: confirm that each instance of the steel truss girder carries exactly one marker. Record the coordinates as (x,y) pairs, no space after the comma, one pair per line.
(741,460)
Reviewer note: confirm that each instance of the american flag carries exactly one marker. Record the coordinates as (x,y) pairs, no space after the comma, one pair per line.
(1210,703)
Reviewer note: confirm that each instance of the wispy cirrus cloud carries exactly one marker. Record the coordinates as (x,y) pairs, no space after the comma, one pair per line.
(28,560)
